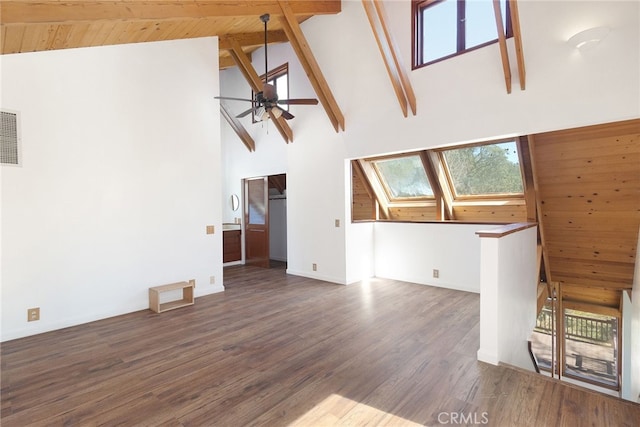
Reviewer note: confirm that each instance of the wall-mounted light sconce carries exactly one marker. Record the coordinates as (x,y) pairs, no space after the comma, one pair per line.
(587,39)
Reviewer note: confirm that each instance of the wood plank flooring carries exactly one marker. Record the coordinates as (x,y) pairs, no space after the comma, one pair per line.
(279,350)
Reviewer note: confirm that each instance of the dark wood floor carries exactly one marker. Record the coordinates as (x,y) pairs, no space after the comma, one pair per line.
(279,350)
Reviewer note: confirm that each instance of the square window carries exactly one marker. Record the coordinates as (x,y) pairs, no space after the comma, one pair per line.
(445,28)
(484,170)
(439,30)
(403,177)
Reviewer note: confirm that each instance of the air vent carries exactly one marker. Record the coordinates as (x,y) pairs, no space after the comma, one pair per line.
(9,147)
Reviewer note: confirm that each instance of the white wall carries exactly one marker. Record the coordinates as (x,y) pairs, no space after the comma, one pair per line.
(359,238)
(459,100)
(270,157)
(635,337)
(517,292)
(360,251)
(631,339)
(464,98)
(121,174)
(315,198)
(411,251)
(627,340)
(278,229)
(507,297)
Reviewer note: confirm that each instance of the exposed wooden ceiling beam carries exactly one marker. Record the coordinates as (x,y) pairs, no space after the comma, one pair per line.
(517,37)
(237,127)
(524,155)
(433,179)
(438,174)
(310,65)
(390,55)
(384,48)
(541,228)
(502,41)
(250,74)
(228,61)
(55,11)
(249,42)
(253,39)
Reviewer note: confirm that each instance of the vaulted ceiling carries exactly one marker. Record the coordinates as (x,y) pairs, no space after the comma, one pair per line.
(30,26)
(588,207)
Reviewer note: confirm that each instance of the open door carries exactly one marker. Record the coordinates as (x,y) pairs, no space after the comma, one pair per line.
(256,220)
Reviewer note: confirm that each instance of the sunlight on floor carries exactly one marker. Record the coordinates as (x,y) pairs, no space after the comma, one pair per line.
(336,410)
(367,296)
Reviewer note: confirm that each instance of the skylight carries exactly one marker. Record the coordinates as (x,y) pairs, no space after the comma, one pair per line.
(403,177)
(488,169)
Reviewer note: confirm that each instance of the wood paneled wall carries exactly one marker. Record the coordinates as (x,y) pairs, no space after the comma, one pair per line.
(363,206)
(411,213)
(507,212)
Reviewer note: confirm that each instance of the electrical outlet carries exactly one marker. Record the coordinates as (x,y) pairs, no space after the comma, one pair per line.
(315,267)
(212,280)
(436,273)
(33,314)
(337,223)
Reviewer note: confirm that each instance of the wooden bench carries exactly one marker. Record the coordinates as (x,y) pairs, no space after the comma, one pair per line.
(187,296)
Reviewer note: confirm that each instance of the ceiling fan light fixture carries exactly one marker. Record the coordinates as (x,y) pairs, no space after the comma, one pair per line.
(264,103)
(261,114)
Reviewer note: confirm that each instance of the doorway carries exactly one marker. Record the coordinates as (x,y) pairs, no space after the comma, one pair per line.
(278,220)
(265,215)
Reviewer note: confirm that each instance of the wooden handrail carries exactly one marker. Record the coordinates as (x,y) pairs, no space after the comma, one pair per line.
(506,229)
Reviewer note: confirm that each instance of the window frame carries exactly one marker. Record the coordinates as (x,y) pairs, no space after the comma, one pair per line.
(477,197)
(273,75)
(417,38)
(383,182)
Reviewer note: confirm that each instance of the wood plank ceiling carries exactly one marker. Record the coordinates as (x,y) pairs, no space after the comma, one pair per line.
(30,26)
(588,188)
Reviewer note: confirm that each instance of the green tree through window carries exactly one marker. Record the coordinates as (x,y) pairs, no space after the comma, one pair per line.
(404,177)
(485,169)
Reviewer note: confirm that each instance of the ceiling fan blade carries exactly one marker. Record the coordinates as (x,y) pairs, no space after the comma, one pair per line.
(299,101)
(245,113)
(233,99)
(287,115)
